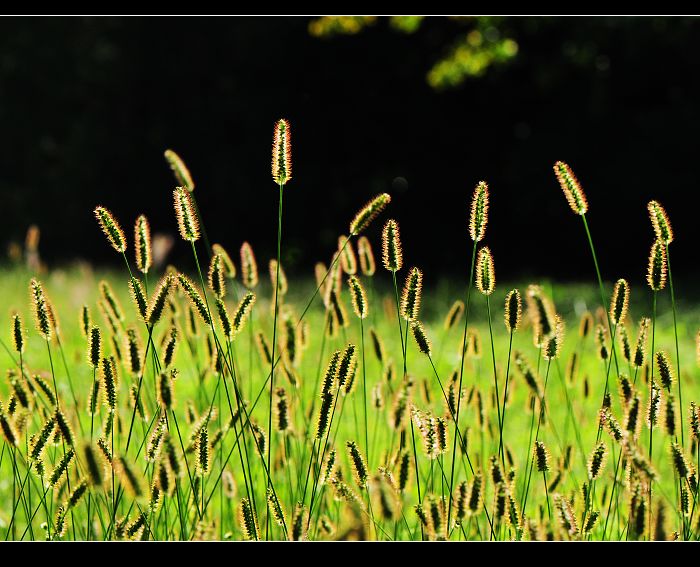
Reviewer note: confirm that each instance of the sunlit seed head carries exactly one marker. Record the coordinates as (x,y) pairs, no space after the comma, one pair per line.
(485,274)
(420,337)
(17,333)
(454,315)
(620,302)
(411,296)
(368,213)
(282,153)
(111,229)
(596,461)
(42,312)
(179,169)
(366,256)
(513,310)
(138,296)
(278,284)
(249,266)
(572,188)
(552,347)
(586,324)
(194,296)
(216,276)
(656,271)
(660,222)
(641,347)
(663,364)
(479,212)
(229,266)
(187,220)
(358,296)
(392,255)
(159,299)
(348,260)
(142,244)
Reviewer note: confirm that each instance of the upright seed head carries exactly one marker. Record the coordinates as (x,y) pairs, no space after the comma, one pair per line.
(282,153)
(347,368)
(669,414)
(229,266)
(180,171)
(194,296)
(665,371)
(138,295)
(660,222)
(17,333)
(249,266)
(216,274)
(42,312)
(85,322)
(572,188)
(187,220)
(513,310)
(202,450)
(159,299)
(586,325)
(165,390)
(359,298)
(485,275)
(368,213)
(454,315)
(248,521)
(680,463)
(552,347)
(694,419)
(392,256)
(245,306)
(596,462)
(359,467)
(111,229)
(280,285)
(169,346)
(108,369)
(281,410)
(142,244)
(601,335)
(479,213)
(541,314)
(348,260)
(641,347)
(411,296)
(619,302)
(366,256)
(128,477)
(542,457)
(656,272)
(624,342)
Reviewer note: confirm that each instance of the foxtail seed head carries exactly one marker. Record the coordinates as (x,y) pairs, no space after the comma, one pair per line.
(42,311)
(280,285)
(392,256)
(542,457)
(111,229)
(368,213)
(242,312)
(359,466)
(182,174)
(485,274)
(552,346)
(229,266)
(660,222)
(17,333)
(216,274)
(665,371)
(142,244)
(656,272)
(194,296)
(454,314)
(620,302)
(359,298)
(186,216)
(640,350)
(366,256)
(159,299)
(348,260)
(513,310)
(572,188)
(411,296)
(138,295)
(420,337)
(596,462)
(249,266)
(479,214)
(282,153)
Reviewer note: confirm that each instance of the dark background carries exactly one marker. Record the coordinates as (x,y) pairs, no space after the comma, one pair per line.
(88,105)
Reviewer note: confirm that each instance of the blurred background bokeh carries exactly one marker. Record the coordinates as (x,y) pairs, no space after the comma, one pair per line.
(421,108)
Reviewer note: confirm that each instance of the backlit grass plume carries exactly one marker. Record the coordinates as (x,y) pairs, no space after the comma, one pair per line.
(216,276)
(542,457)
(282,153)
(159,299)
(392,255)
(348,260)
(142,244)
(420,337)
(454,315)
(660,222)
(180,171)
(572,188)
(479,213)
(17,333)
(656,271)
(242,312)
(194,296)
(596,461)
(663,364)
(249,266)
(620,302)
(541,314)
(411,295)
(187,221)
(358,296)
(42,311)
(513,310)
(366,256)
(368,213)
(485,274)
(229,266)
(358,464)
(640,350)
(111,229)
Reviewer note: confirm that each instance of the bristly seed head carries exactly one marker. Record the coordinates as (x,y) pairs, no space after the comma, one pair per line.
(359,467)
(571,187)
(392,256)
(656,272)
(194,296)
(366,256)
(640,350)
(182,174)
(368,213)
(596,462)
(159,299)
(660,222)
(187,220)
(42,312)
(420,337)
(111,229)
(358,296)
(479,214)
(282,153)
(229,266)
(665,371)
(216,276)
(513,311)
(249,266)
(454,315)
(17,333)
(620,301)
(485,274)
(411,296)
(142,244)
(542,457)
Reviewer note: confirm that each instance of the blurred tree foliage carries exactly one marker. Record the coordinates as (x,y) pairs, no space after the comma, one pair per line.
(482,43)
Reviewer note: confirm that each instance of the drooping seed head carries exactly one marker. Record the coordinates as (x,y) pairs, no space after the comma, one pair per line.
(347,367)
(282,153)
(660,222)
(111,229)
(586,324)
(656,271)
(625,344)
(142,244)
(249,266)
(541,314)
(194,296)
(368,213)
(216,274)
(245,306)
(619,302)
(110,299)
(159,299)
(187,220)
(485,274)
(138,295)
(601,337)
(348,260)
(411,295)
(366,256)
(479,213)
(42,312)
(513,310)
(392,256)
(358,296)
(128,477)
(180,171)
(420,337)
(169,346)
(572,188)
(680,463)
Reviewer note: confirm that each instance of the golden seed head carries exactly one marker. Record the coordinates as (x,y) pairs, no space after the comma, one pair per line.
(142,244)
(348,261)
(194,296)
(392,256)
(660,222)
(111,229)
(242,313)
(454,315)
(229,266)
(182,174)
(571,187)
(479,214)
(366,255)
(159,299)
(359,298)
(368,213)
(542,457)
(280,284)
(411,295)
(485,274)
(656,272)
(216,274)
(513,310)
(282,153)
(541,314)
(641,347)
(420,337)
(187,220)
(249,266)
(42,311)
(17,333)
(663,364)
(552,346)
(620,302)
(586,324)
